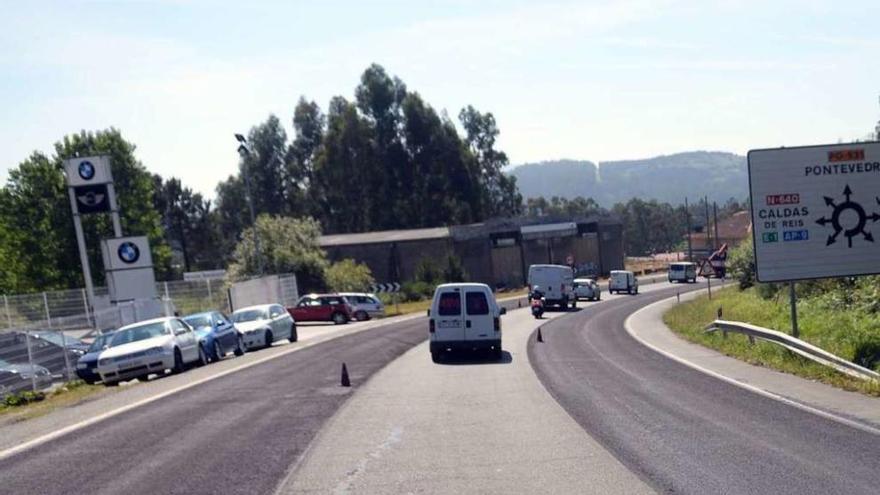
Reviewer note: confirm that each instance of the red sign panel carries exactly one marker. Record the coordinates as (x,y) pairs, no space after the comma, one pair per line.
(846,155)
(783,199)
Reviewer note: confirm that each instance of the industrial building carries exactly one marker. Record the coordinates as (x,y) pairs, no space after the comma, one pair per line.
(497,253)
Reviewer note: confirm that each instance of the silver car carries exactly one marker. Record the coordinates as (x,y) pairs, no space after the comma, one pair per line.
(587,288)
(364,306)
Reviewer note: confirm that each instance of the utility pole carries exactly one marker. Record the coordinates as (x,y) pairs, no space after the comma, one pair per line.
(245,152)
(715,215)
(708,232)
(687,216)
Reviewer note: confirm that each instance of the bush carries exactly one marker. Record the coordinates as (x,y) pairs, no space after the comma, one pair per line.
(23,398)
(428,272)
(742,264)
(349,276)
(454,270)
(416,291)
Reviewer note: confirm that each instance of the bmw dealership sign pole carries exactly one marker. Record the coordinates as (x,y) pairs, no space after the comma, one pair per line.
(815,212)
(87,181)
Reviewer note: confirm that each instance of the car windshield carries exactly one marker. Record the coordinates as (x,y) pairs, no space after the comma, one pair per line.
(250,315)
(199,321)
(138,333)
(57,339)
(101,341)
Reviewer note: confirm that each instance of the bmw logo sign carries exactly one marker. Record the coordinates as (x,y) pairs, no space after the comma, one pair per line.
(86,170)
(128,252)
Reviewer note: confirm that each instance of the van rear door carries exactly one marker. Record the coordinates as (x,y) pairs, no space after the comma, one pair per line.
(449,322)
(479,318)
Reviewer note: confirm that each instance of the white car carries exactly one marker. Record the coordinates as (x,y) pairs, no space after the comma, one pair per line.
(364,306)
(262,325)
(587,288)
(148,347)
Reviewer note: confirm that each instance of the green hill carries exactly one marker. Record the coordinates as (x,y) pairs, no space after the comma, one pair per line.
(719,175)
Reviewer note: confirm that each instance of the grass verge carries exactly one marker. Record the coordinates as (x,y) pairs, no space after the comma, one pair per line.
(70,394)
(840,332)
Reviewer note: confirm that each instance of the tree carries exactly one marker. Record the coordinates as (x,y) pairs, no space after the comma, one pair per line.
(500,195)
(288,245)
(309,123)
(349,276)
(189,224)
(650,226)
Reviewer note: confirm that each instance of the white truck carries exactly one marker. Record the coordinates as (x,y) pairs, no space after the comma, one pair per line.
(556,282)
(464,317)
(623,281)
(683,271)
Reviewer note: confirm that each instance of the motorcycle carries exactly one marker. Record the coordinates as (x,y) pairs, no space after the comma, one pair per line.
(538,307)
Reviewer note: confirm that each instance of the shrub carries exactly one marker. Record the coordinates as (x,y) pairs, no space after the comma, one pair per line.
(742,264)
(428,272)
(348,276)
(416,291)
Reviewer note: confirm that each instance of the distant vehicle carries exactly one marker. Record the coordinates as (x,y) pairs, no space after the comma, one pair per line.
(153,346)
(217,333)
(46,350)
(261,326)
(364,306)
(556,282)
(587,288)
(86,366)
(623,281)
(16,378)
(322,307)
(537,307)
(464,317)
(683,271)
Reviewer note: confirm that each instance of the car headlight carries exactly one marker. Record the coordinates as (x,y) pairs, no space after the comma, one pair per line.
(82,366)
(155,351)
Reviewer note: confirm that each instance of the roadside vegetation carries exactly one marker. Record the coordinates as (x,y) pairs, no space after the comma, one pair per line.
(841,316)
(28,405)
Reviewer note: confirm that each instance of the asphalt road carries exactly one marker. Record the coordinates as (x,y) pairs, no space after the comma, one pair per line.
(469,424)
(683,431)
(240,433)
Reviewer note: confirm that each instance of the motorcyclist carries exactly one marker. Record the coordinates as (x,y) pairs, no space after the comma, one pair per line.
(536,293)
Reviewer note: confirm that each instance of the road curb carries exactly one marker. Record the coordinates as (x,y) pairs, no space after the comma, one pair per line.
(635,334)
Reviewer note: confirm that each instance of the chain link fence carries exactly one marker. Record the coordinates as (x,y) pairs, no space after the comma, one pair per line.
(43,335)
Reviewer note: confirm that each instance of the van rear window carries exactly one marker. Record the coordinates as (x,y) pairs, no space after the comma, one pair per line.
(450,304)
(677,268)
(476,303)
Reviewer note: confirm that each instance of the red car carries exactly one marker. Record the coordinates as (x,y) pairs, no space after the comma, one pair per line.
(322,307)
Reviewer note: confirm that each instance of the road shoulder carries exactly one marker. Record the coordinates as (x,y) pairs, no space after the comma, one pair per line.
(647,327)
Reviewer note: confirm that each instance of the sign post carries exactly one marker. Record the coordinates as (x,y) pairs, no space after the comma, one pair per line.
(814,213)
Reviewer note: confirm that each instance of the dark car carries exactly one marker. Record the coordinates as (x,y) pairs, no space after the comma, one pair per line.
(85,366)
(16,378)
(218,334)
(322,307)
(46,350)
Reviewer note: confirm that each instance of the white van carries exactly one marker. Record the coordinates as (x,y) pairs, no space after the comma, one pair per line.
(556,282)
(623,281)
(464,317)
(684,271)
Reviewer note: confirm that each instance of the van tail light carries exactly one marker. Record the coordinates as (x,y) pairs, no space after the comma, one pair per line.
(431,325)
(497,324)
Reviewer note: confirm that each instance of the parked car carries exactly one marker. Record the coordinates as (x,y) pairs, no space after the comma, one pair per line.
(217,333)
(322,307)
(464,317)
(260,326)
(683,271)
(623,281)
(555,282)
(86,366)
(16,378)
(153,346)
(364,306)
(46,350)
(587,288)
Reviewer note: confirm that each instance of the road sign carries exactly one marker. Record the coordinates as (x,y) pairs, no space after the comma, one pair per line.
(390,287)
(815,211)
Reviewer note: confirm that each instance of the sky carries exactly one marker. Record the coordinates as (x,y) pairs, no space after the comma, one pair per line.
(600,81)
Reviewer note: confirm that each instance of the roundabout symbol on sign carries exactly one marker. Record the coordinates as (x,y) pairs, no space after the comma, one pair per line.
(86,170)
(128,252)
(851,230)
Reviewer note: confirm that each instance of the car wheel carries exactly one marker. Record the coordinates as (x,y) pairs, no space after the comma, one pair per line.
(90,381)
(143,378)
(178,362)
(239,346)
(203,356)
(339,319)
(361,316)
(435,357)
(218,353)
(293,336)
(268,339)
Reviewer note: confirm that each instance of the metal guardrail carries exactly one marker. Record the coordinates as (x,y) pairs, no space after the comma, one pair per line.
(797,346)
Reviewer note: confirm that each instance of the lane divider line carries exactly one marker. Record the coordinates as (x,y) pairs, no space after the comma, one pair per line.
(760,391)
